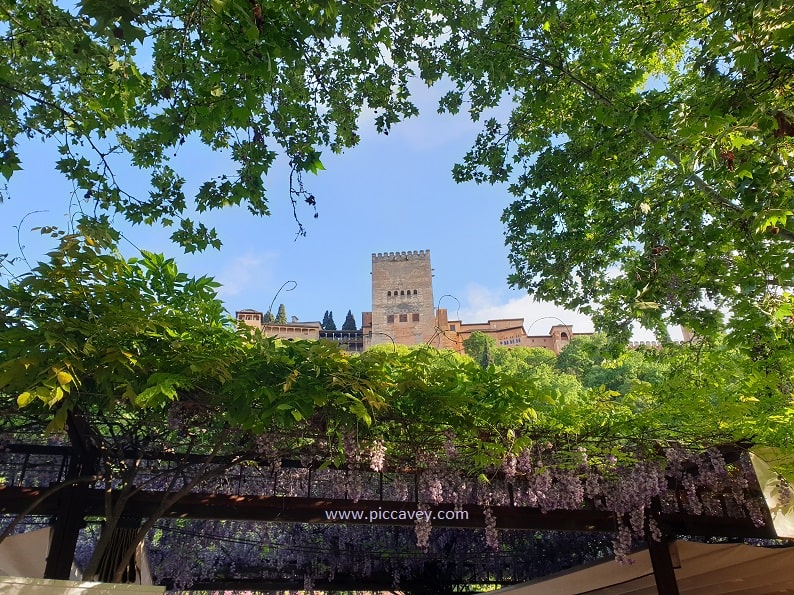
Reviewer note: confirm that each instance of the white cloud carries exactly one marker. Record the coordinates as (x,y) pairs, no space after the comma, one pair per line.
(247,274)
(481,304)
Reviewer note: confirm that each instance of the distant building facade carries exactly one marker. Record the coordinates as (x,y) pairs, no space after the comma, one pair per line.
(404,313)
(509,332)
(311,331)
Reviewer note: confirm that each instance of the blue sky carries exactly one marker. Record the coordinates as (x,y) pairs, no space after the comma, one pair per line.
(390,193)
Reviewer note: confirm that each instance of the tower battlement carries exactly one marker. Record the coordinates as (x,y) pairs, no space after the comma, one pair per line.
(402,297)
(401,256)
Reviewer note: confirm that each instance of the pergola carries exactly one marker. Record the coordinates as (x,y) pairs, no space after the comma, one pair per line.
(298,493)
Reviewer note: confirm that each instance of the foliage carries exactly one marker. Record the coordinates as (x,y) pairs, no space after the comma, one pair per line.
(475,345)
(350,322)
(519,359)
(649,149)
(582,354)
(486,359)
(150,358)
(281,317)
(94,333)
(91,331)
(596,362)
(117,84)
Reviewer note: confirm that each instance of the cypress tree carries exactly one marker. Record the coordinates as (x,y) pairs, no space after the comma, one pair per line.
(350,322)
(486,360)
(281,317)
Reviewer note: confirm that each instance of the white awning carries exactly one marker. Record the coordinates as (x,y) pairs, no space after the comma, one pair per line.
(702,569)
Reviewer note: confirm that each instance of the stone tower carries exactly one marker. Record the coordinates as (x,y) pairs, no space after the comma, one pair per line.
(402,298)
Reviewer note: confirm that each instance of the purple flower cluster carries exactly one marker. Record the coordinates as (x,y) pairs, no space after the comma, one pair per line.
(491,535)
(423,527)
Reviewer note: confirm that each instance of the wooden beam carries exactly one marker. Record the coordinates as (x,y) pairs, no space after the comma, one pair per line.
(71,502)
(313,510)
(663,570)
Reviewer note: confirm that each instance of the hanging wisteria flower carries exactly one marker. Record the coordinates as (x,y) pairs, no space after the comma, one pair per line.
(354,485)
(450,448)
(621,544)
(524,463)
(783,492)
(350,447)
(433,490)
(653,529)
(266,447)
(717,462)
(423,527)
(509,466)
(491,535)
(756,512)
(583,462)
(377,455)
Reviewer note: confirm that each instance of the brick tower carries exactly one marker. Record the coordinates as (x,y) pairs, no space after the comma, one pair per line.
(402,298)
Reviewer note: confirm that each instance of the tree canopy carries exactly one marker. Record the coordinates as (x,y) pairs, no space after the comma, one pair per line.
(649,148)
(478,344)
(91,331)
(118,85)
(650,151)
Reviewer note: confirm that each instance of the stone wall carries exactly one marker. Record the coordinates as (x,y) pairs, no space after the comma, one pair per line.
(402,298)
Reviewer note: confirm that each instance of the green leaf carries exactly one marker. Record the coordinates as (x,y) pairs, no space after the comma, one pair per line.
(9,163)
(64,378)
(25,398)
